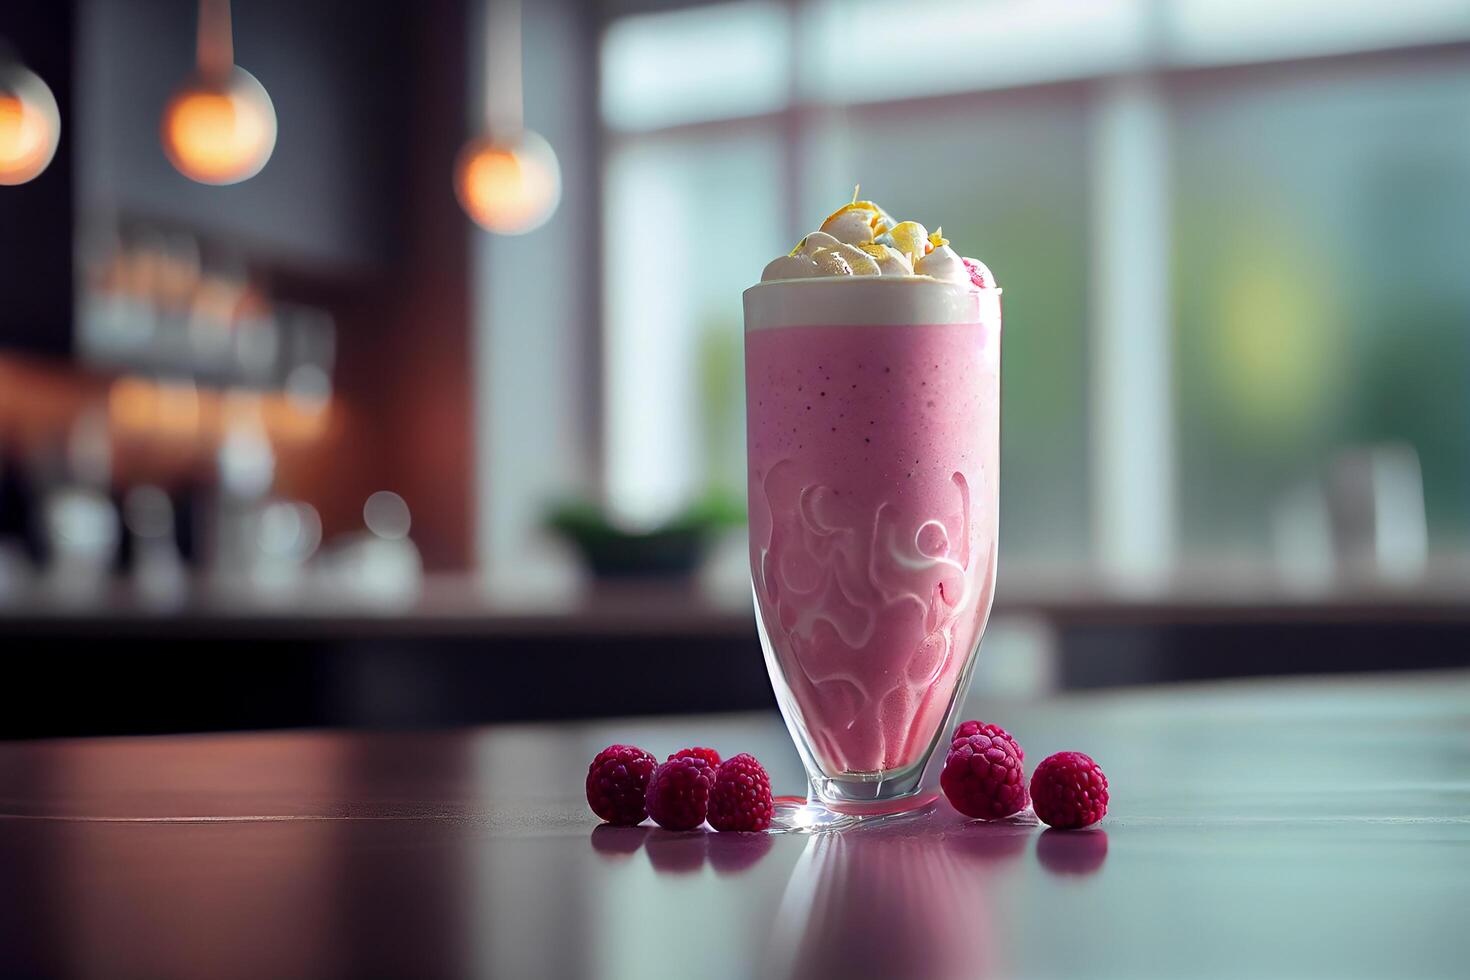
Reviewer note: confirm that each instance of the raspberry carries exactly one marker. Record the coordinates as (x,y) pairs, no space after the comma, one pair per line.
(741,799)
(678,792)
(983,777)
(979,274)
(708,755)
(1069,791)
(968,728)
(617,782)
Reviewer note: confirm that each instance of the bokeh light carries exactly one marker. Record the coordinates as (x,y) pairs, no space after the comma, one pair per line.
(290,529)
(148,512)
(508,186)
(30,125)
(386,515)
(220,134)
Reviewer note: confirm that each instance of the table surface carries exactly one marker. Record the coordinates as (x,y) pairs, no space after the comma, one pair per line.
(1300,828)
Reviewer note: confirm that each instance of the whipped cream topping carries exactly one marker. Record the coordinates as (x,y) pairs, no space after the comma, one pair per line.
(861,239)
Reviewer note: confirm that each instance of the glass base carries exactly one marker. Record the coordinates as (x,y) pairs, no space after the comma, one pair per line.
(794,815)
(850,799)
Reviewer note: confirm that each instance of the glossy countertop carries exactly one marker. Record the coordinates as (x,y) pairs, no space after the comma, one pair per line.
(1303,828)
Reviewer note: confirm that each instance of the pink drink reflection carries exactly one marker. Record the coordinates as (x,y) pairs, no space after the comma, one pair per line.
(906,899)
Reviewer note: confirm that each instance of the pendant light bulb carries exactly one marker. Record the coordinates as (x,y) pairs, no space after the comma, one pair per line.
(220,133)
(507,179)
(508,186)
(30,125)
(220,126)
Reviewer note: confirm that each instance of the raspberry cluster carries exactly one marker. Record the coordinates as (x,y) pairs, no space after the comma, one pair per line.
(625,784)
(983,777)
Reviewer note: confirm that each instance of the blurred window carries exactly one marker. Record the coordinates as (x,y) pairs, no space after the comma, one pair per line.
(1317,300)
(877,50)
(1220,32)
(688,216)
(710,62)
(1321,291)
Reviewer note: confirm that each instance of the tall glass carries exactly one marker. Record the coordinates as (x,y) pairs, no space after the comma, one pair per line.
(873,428)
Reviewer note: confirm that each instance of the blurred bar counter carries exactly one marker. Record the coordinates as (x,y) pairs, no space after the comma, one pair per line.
(456,656)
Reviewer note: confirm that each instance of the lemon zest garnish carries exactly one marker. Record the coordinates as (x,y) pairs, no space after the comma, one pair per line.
(799,245)
(857,206)
(907,241)
(936,240)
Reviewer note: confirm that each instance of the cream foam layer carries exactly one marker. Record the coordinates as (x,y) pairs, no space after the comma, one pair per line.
(838,301)
(860,239)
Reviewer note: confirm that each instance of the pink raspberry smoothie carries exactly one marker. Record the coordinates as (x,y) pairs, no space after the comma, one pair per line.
(873,448)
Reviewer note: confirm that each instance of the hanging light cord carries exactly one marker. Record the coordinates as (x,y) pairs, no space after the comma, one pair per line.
(504,95)
(215,43)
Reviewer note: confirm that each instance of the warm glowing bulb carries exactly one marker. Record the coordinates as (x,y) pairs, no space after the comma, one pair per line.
(220,134)
(508,186)
(30,126)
